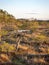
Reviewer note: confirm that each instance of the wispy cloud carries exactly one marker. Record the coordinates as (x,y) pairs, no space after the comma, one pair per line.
(32,13)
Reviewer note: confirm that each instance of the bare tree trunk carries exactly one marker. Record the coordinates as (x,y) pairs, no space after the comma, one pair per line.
(18,42)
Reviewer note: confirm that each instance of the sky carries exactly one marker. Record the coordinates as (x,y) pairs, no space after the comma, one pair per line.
(38,9)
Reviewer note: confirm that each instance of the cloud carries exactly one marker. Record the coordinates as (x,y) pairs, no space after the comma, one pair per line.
(32,13)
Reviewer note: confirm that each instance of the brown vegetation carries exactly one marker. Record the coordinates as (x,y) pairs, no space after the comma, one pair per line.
(18,45)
